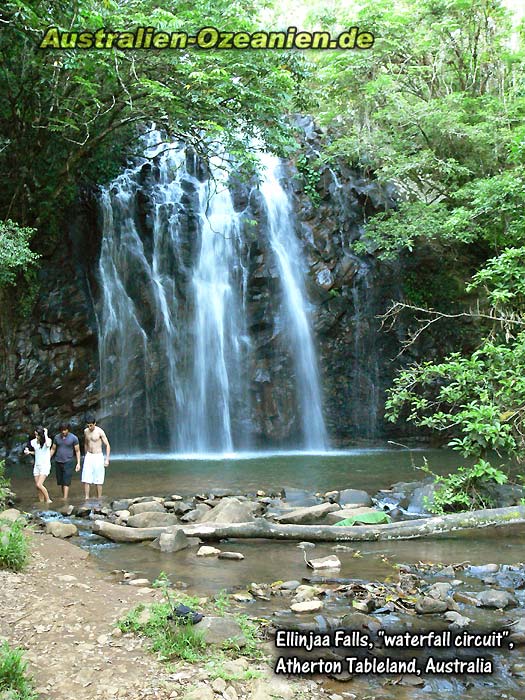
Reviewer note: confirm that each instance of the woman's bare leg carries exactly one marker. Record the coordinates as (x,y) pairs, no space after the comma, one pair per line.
(38,491)
(40,486)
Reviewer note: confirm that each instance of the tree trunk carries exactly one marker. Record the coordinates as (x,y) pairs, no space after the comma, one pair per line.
(262,528)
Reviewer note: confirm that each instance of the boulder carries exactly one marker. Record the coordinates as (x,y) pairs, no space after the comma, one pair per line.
(152,519)
(171,542)
(197,514)
(179,507)
(349,497)
(121,504)
(146,507)
(10,515)
(233,556)
(307,516)
(61,530)
(496,599)
(330,562)
(217,630)
(231,510)
(307,606)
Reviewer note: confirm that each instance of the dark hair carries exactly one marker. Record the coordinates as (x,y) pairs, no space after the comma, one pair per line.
(91,419)
(64,426)
(41,437)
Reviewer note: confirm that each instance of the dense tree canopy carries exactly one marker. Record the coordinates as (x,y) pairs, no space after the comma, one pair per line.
(69,117)
(438,109)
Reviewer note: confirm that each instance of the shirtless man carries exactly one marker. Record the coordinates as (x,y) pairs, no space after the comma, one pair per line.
(94,462)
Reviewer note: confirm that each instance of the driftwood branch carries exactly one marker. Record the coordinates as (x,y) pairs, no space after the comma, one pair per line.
(264,529)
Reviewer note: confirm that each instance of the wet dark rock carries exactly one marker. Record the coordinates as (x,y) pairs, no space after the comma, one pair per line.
(354,497)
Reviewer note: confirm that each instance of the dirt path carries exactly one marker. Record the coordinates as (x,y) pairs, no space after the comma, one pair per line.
(62,610)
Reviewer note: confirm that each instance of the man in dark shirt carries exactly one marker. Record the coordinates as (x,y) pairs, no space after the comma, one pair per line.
(66,447)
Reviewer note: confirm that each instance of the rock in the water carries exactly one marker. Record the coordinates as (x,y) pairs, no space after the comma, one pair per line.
(62,530)
(354,497)
(121,504)
(307,606)
(440,590)
(139,582)
(171,542)
(427,606)
(231,510)
(233,556)
(330,562)
(146,507)
(290,585)
(207,551)
(483,570)
(457,621)
(305,516)
(304,592)
(197,514)
(496,599)
(152,520)
(517,632)
(10,515)
(216,630)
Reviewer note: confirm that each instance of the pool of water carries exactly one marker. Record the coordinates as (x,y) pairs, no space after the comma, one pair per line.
(369,468)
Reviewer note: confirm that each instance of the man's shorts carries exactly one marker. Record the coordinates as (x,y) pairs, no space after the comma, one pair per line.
(64,472)
(93,471)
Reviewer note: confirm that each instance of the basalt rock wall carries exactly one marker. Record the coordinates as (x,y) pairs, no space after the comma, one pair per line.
(49,364)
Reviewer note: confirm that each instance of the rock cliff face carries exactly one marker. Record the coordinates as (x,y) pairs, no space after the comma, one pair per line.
(49,367)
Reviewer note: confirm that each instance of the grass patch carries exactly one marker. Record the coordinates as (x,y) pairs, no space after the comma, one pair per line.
(172,638)
(168,639)
(15,684)
(14,547)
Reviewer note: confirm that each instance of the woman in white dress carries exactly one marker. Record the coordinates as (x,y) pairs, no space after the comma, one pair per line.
(41,448)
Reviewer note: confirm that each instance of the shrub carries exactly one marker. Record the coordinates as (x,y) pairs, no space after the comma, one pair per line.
(14,548)
(15,684)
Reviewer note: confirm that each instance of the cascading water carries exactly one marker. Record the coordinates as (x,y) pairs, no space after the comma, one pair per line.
(175,351)
(289,261)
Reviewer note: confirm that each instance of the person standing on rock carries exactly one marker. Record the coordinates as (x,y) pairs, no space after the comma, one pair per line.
(67,450)
(94,462)
(40,447)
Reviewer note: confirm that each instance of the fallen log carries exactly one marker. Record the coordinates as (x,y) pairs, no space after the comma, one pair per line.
(408,529)
(261,528)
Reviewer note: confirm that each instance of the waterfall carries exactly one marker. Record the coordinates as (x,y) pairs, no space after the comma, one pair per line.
(174,340)
(290,264)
